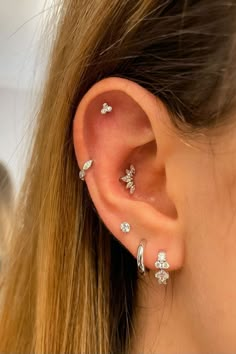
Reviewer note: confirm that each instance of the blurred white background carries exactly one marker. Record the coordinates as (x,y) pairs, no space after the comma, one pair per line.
(21,71)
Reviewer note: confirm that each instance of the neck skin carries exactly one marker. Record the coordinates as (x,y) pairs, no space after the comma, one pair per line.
(162,320)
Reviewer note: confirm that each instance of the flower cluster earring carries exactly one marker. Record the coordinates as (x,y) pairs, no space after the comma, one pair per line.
(162,275)
(106,108)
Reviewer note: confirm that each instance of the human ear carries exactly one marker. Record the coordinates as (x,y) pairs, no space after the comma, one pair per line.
(136,131)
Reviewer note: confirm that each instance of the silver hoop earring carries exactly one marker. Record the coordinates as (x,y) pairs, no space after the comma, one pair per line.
(86,166)
(106,108)
(140,262)
(162,275)
(129,179)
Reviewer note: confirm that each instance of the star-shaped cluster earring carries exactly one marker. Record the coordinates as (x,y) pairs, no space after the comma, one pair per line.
(129,179)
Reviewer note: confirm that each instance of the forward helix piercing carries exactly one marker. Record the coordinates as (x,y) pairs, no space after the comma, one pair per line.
(140,262)
(162,264)
(86,166)
(106,108)
(129,179)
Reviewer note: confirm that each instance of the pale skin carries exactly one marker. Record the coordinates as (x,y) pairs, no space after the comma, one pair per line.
(184,203)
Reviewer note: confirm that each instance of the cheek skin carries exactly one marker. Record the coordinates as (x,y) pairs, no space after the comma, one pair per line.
(208,210)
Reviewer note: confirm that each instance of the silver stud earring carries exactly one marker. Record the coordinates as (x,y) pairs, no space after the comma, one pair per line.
(125,227)
(106,108)
(140,262)
(129,179)
(86,166)
(162,264)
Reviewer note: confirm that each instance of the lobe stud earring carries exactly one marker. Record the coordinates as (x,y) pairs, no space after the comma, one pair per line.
(162,264)
(106,108)
(125,227)
(129,179)
(86,166)
(140,262)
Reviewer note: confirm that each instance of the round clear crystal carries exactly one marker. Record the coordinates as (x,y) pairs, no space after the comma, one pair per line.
(82,175)
(162,256)
(125,227)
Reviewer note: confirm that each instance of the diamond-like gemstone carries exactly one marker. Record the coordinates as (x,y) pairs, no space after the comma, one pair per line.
(82,175)
(132,169)
(87,164)
(161,256)
(132,189)
(125,227)
(162,276)
(106,108)
(126,179)
(162,265)
(129,184)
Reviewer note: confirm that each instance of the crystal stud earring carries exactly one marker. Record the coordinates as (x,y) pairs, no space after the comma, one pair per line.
(86,166)
(106,108)
(125,227)
(162,264)
(129,179)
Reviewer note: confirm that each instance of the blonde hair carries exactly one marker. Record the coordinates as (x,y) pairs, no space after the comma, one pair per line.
(6,208)
(69,286)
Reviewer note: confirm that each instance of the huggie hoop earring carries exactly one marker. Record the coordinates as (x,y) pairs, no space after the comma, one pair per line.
(86,166)
(140,262)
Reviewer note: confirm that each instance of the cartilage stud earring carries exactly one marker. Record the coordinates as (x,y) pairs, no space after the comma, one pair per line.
(129,179)
(106,108)
(162,275)
(86,166)
(125,227)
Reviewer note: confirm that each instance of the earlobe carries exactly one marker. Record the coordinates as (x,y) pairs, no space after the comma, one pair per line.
(116,137)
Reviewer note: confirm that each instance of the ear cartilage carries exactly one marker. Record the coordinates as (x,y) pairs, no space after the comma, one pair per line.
(125,227)
(129,179)
(162,275)
(106,108)
(86,166)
